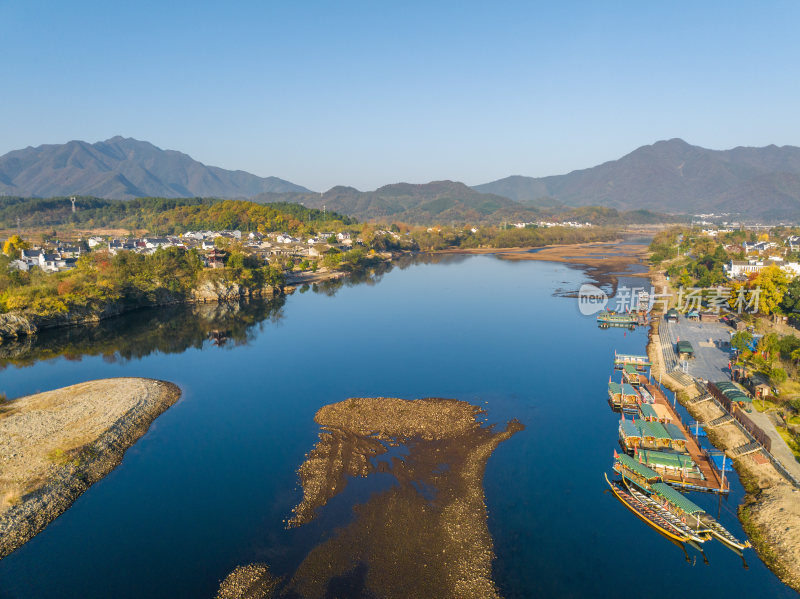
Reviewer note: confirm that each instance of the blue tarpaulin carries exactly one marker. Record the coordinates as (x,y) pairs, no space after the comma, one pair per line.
(700,430)
(717,459)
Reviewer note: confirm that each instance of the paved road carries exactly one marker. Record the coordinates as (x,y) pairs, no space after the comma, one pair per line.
(711,363)
(779,448)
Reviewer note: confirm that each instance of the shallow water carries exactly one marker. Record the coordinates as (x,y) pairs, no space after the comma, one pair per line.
(212,483)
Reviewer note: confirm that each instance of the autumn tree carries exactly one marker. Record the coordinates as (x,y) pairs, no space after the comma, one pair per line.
(771,283)
(13,245)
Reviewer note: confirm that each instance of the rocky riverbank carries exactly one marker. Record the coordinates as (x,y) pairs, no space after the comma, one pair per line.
(14,325)
(55,445)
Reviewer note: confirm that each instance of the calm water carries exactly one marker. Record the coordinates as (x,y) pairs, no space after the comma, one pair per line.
(210,485)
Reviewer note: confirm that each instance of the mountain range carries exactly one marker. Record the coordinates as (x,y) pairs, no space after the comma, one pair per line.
(434,202)
(670,176)
(122,168)
(675,177)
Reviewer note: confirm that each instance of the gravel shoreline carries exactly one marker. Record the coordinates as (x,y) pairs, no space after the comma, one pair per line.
(55,445)
(427,535)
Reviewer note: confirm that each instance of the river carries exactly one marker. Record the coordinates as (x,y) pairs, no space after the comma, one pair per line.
(212,483)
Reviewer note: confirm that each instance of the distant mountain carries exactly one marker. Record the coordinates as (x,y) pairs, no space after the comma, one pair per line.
(436,202)
(674,177)
(124,168)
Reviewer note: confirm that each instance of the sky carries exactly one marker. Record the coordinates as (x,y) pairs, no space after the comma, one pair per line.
(371,93)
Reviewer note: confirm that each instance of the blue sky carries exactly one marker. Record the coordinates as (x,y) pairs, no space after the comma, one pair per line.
(370,93)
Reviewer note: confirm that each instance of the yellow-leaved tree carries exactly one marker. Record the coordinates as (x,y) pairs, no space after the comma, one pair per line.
(13,245)
(770,284)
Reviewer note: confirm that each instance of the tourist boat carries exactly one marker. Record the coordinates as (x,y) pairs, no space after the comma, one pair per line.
(641,362)
(610,318)
(631,375)
(647,488)
(646,396)
(646,513)
(694,532)
(646,434)
(623,397)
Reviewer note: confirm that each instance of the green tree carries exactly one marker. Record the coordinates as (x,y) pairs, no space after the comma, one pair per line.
(742,341)
(790,303)
(778,376)
(768,345)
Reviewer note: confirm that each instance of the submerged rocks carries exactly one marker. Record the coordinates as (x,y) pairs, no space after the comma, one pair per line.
(426,535)
(248,582)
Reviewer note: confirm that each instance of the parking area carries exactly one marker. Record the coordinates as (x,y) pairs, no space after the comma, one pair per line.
(711,343)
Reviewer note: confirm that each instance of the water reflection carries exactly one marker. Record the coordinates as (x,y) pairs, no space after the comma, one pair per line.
(169,330)
(174,329)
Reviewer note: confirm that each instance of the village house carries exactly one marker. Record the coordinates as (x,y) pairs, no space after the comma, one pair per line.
(47,261)
(758,247)
(286,238)
(19,265)
(738,269)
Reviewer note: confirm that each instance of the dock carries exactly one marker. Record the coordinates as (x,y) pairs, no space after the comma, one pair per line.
(713,481)
(640,362)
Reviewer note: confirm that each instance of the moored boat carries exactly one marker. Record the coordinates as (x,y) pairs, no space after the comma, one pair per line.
(623,397)
(640,362)
(646,513)
(647,488)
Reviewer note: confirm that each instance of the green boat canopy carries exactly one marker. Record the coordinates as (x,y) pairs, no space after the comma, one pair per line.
(647,411)
(676,498)
(625,460)
(666,460)
(659,432)
(629,429)
(674,432)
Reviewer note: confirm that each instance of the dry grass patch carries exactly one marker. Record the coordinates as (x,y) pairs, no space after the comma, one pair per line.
(41,433)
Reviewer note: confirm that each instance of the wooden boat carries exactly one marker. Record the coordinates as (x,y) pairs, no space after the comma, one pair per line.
(683,507)
(640,362)
(611,316)
(726,538)
(623,397)
(645,513)
(631,375)
(639,474)
(646,486)
(699,534)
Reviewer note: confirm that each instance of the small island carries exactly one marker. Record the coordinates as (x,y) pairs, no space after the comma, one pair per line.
(426,535)
(55,445)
